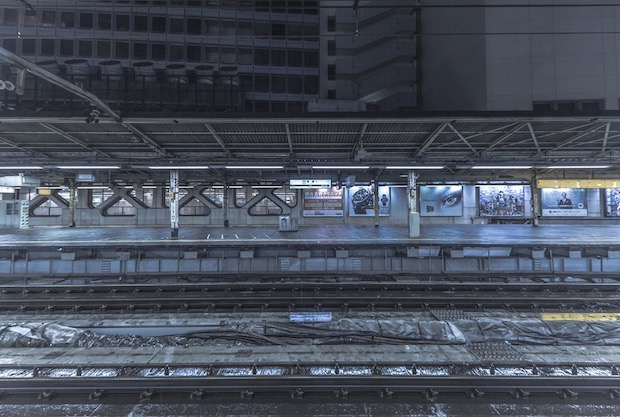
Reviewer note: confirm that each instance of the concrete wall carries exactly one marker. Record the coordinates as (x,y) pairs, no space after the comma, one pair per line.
(539,54)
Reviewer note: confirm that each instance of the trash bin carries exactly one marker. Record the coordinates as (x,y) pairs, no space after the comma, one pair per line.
(289,223)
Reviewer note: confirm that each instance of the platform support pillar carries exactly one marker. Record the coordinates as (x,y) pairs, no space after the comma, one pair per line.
(375,192)
(72,191)
(414,216)
(174,203)
(535,203)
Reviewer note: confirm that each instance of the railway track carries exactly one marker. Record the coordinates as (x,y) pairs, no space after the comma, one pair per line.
(297,380)
(258,296)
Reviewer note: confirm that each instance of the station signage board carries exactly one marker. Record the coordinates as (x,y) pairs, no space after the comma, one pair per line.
(310,183)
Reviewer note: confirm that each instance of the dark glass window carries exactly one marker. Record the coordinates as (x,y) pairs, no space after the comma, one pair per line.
(295,84)
(158,51)
(121,50)
(104,21)
(140,50)
(311,84)
(10,17)
(47,47)
(331,23)
(176,53)
(28,46)
(30,18)
(261,56)
(10,45)
(140,23)
(278,57)
(86,20)
(331,94)
(176,25)
(85,48)
(158,24)
(331,48)
(278,30)
(311,59)
(67,19)
(48,18)
(194,26)
(331,72)
(261,83)
(194,53)
(278,84)
(66,47)
(295,58)
(103,49)
(122,22)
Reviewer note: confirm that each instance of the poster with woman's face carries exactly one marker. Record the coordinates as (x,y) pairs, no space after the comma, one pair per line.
(612,201)
(563,202)
(443,200)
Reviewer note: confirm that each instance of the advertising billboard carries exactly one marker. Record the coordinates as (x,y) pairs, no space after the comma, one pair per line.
(443,200)
(362,201)
(563,202)
(501,200)
(323,203)
(612,202)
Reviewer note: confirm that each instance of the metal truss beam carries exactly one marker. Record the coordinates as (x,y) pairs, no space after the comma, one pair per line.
(218,139)
(75,140)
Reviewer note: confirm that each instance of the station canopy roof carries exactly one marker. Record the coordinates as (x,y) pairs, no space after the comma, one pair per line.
(274,150)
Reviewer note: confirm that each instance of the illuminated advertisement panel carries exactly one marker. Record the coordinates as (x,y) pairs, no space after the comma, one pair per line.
(501,200)
(563,202)
(442,200)
(323,203)
(612,201)
(362,201)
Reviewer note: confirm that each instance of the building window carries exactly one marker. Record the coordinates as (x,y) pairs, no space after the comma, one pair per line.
(66,47)
(278,84)
(10,45)
(48,19)
(265,207)
(591,105)
(122,22)
(121,50)
(295,84)
(311,33)
(194,26)
(30,18)
(140,50)
(176,53)
(261,83)
(331,48)
(67,19)
(331,94)
(311,84)
(278,30)
(567,106)
(331,72)
(10,17)
(104,21)
(47,47)
(331,23)
(85,48)
(295,32)
(103,49)
(245,56)
(86,20)
(278,57)
(193,53)
(287,196)
(261,57)
(212,54)
(158,24)
(243,195)
(311,59)
(158,51)
(140,23)
(294,6)
(176,25)
(295,58)
(28,46)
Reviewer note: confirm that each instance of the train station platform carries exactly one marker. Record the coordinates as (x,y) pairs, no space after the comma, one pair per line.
(334,235)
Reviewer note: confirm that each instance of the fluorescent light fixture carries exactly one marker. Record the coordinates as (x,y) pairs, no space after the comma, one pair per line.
(88,167)
(577,166)
(340,167)
(230,186)
(266,186)
(412,167)
(93,187)
(22,167)
(501,167)
(254,167)
(171,167)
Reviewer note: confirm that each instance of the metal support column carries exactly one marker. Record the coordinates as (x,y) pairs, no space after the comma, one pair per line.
(375,193)
(414,216)
(174,203)
(72,205)
(226,191)
(535,203)
(24,214)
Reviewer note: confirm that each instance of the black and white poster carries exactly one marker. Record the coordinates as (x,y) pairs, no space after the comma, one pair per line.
(442,200)
(563,202)
(320,202)
(501,200)
(362,201)
(612,202)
